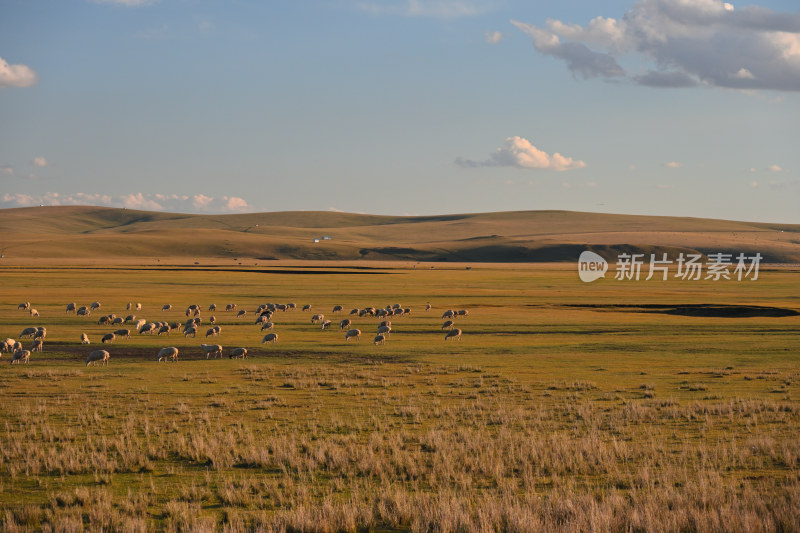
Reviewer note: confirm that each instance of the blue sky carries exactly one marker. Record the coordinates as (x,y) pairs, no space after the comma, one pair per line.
(664,107)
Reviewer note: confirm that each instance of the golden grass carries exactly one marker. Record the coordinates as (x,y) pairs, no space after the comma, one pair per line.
(544,417)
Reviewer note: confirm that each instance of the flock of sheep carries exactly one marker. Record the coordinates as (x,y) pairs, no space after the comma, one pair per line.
(264,314)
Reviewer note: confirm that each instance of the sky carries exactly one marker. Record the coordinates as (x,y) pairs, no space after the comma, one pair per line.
(403,107)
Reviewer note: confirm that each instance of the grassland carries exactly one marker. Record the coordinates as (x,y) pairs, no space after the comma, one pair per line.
(548,415)
(524,236)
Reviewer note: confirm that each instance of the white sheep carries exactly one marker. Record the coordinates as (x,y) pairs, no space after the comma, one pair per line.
(212,307)
(7,345)
(385,323)
(24,306)
(21,356)
(166,307)
(230,307)
(138,307)
(83,311)
(123,333)
(379,339)
(241,313)
(164,329)
(307,307)
(71,307)
(139,323)
(453,334)
(462,312)
(17,346)
(98,356)
(319,317)
(344,323)
(85,338)
(189,331)
(448,324)
(108,337)
(270,337)
(168,353)
(129,319)
(448,314)
(355,311)
(117,321)
(36,346)
(326,324)
(338,308)
(267,325)
(291,305)
(261,319)
(128,306)
(147,328)
(95,306)
(28,332)
(384,330)
(212,350)
(238,353)
(352,333)
(41,333)
(213,319)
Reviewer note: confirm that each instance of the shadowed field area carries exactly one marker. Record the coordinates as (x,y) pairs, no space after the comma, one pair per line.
(510,237)
(617,405)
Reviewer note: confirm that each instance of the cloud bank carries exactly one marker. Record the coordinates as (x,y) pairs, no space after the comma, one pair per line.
(681,43)
(197,203)
(16,75)
(426,8)
(518,152)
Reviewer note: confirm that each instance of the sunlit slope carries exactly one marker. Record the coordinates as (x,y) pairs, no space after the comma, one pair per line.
(81,231)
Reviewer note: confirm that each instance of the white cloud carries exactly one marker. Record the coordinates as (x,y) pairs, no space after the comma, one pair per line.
(493,37)
(146,201)
(682,43)
(40,162)
(16,75)
(774,168)
(520,153)
(426,8)
(672,164)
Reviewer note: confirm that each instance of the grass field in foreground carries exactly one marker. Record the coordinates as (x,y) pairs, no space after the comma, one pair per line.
(546,415)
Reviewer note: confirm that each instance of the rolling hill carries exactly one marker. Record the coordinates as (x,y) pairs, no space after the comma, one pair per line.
(521,236)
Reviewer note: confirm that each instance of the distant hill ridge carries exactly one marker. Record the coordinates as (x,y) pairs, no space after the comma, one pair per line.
(509,236)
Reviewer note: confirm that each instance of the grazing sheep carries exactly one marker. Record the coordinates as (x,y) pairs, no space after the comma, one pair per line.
(21,356)
(448,314)
(95,306)
(338,308)
(147,328)
(267,325)
(385,323)
(352,333)
(307,307)
(85,338)
(344,323)
(117,321)
(326,324)
(71,307)
(319,317)
(363,312)
(166,307)
(384,330)
(238,353)
(164,329)
(407,311)
(36,346)
(139,323)
(7,345)
(448,324)
(211,332)
(462,312)
(41,333)
(453,333)
(261,319)
(83,311)
(212,307)
(213,319)
(291,305)
(28,332)
(355,311)
(17,346)
(230,307)
(34,312)
(128,306)
(129,319)
(138,307)
(108,337)
(190,331)
(168,353)
(212,350)
(197,320)
(98,356)
(270,337)
(379,339)
(24,306)
(123,333)
(280,307)
(241,313)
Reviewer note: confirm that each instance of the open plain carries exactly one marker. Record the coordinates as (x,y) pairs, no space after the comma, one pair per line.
(617,405)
